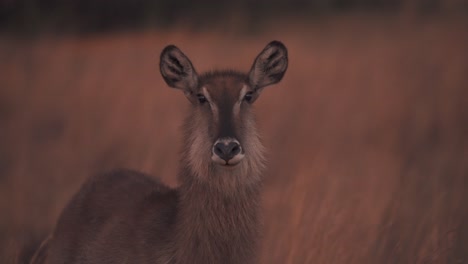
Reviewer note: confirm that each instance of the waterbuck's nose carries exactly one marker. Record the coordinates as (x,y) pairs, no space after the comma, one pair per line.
(227,149)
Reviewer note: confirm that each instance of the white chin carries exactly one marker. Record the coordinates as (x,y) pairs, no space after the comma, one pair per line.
(231,163)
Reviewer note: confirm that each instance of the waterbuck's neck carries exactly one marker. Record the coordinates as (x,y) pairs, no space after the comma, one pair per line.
(216,227)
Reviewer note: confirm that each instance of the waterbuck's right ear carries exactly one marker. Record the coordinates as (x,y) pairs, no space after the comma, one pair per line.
(177,70)
(269,66)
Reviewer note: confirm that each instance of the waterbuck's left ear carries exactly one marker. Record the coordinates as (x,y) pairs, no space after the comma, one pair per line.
(177,70)
(269,66)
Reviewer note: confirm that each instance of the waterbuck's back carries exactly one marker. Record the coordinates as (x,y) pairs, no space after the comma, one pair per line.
(120,217)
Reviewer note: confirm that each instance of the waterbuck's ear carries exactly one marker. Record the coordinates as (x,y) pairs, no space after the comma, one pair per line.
(269,66)
(177,70)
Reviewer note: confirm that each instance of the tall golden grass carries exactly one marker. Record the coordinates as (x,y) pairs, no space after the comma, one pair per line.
(367,135)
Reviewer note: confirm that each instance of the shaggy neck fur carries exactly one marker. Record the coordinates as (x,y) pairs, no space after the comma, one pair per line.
(213,227)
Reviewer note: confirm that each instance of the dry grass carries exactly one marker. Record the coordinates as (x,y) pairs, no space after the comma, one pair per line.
(367,134)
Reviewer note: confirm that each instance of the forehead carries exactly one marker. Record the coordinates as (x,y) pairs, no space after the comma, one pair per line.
(225,85)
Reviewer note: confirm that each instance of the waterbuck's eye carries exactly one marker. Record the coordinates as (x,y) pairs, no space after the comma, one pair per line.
(248,97)
(201,98)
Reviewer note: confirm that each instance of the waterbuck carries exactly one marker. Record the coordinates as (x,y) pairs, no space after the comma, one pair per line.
(213,216)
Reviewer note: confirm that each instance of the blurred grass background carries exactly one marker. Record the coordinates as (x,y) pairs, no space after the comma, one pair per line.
(367,135)
(104,15)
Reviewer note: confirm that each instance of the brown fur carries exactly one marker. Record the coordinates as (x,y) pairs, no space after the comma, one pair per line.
(41,253)
(212,217)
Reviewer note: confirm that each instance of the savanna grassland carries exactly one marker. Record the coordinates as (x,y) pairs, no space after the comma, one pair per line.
(367,135)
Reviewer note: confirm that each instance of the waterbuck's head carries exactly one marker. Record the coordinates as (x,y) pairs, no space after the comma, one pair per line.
(221,132)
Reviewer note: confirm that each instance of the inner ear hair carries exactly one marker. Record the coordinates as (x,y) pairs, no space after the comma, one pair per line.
(269,66)
(177,70)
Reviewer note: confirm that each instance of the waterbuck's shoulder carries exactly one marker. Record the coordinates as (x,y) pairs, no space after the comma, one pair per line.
(119,192)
